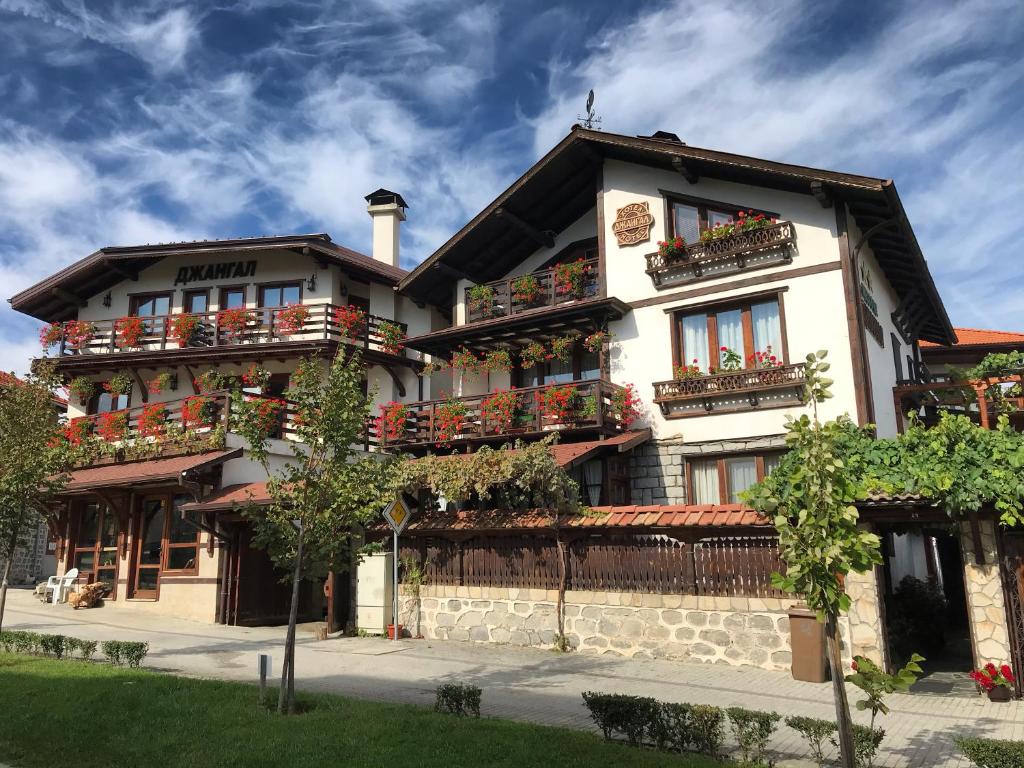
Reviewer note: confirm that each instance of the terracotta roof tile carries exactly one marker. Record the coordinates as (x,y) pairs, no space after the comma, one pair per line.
(138,472)
(229,496)
(966,337)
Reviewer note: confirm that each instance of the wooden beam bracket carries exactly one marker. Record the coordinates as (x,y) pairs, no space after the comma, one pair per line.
(545,238)
(684,170)
(821,194)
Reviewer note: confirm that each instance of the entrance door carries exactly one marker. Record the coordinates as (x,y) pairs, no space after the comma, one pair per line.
(95,545)
(1013,580)
(150,546)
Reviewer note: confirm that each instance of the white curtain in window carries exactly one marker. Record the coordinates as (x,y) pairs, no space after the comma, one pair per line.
(695,341)
(593,476)
(767,327)
(705,482)
(730,332)
(740,474)
(771,463)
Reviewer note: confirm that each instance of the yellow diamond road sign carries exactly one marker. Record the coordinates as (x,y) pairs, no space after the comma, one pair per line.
(397,514)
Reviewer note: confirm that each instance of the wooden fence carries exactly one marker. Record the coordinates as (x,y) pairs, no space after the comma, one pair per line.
(721,565)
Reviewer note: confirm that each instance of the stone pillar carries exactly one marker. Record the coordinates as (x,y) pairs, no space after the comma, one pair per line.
(865,616)
(984,587)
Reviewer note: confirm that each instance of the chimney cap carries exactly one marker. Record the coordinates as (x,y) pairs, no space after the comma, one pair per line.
(385,197)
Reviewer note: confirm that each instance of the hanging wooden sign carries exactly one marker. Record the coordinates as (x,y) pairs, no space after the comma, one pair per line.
(632,224)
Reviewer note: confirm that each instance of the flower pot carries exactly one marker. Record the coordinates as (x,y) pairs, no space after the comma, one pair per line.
(391,631)
(1000,693)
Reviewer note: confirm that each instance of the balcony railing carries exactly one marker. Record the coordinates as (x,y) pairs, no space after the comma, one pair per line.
(732,390)
(424,424)
(220,329)
(503,301)
(740,247)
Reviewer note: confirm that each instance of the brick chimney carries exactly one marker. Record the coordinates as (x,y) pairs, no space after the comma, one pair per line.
(387,209)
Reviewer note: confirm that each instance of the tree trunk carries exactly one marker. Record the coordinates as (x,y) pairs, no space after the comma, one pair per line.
(835,665)
(562,576)
(286,697)
(9,562)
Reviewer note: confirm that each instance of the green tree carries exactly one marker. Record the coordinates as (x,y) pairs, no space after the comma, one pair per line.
(325,486)
(31,460)
(810,499)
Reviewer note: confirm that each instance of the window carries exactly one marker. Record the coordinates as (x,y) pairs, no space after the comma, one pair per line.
(151,305)
(690,218)
(166,543)
(897,356)
(95,554)
(196,302)
(182,539)
(583,366)
(104,402)
(232,298)
(744,329)
(721,480)
(280,295)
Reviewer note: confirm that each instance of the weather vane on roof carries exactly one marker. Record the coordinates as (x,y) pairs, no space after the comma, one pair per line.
(591,120)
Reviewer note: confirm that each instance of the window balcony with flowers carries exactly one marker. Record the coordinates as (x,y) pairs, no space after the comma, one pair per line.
(566,282)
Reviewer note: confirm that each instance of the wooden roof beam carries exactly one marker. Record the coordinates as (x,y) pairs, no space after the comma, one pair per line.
(69,298)
(821,194)
(117,269)
(545,238)
(680,167)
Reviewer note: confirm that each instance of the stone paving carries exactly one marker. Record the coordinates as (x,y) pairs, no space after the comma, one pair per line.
(521,683)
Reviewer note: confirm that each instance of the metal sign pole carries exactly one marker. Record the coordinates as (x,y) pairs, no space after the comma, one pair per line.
(394,596)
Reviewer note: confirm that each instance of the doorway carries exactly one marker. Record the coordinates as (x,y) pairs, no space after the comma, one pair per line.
(926,606)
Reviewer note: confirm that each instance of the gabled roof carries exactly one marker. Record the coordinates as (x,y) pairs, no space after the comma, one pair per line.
(561,187)
(977,337)
(53,298)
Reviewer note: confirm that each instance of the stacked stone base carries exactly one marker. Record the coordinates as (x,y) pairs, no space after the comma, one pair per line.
(730,630)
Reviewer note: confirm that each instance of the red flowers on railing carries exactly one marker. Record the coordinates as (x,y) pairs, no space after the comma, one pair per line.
(129,331)
(183,328)
(113,426)
(234,323)
(744,222)
(78,333)
(79,430)
(392,422)
(256,377)
(448,420)
(672,249)
(267,413)
(595,341)
(533,354)
(559,403)
(351,321)
(570,278)
(626,405)
(50,335)
(391,337)
(526,289)
(683,372)
(500,410)
(763,359)
(196,412)
(292,319)
(153,420)
(990,676)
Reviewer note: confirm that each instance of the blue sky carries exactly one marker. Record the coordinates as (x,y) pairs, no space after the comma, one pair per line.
(148,121)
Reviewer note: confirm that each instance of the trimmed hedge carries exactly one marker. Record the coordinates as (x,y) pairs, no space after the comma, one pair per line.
(752,730)
(991,753)
(458,699)
(61,646)
(666,725)
(816,733)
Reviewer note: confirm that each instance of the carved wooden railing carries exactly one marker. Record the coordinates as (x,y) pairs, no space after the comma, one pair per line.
(503,304)
(741,245)
(748,381)
(422,425)
(261,326)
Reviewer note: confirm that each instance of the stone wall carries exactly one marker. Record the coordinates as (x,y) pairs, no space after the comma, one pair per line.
(737,630)
(985,606)
(865,616)
(27,566)
(657,467)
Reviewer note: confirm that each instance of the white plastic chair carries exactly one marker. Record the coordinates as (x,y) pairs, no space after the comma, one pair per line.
(61,584)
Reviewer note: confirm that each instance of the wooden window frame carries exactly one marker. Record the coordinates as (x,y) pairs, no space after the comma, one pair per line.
(703,205)
(104,509)
(167,497)
(244,288)
(723,476)
(261,287)
(711,309)
(134,299)
(577,368)
(186,295)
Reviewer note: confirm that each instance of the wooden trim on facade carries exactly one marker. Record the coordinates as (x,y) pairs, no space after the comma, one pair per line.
(861,371)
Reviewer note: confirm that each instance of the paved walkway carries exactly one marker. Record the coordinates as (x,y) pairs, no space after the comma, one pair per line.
(520,683)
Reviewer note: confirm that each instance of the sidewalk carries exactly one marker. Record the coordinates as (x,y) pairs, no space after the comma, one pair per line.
(520,683)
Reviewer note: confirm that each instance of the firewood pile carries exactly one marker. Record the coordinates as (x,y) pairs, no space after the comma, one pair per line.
(87,596)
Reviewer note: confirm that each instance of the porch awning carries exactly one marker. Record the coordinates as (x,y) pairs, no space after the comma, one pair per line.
(571,454)
(144,472)
(230,496)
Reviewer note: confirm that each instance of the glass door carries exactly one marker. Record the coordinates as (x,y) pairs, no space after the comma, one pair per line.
(150,546)
(96,540)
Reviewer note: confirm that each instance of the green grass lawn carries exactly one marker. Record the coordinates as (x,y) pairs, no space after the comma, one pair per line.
(91,715)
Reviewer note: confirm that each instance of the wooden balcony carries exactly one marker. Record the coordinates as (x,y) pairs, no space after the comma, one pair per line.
(213,337)
(767,246)
(503,303)
(731,391)
(422,426)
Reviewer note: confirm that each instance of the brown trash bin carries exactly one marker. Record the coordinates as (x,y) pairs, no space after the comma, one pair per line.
(807,639)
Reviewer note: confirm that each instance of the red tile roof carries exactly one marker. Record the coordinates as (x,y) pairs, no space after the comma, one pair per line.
(227,498)
(971,337)
(568,454)
(138,472)
(656,516)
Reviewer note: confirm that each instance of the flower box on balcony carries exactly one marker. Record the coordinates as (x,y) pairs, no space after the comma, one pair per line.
(730,391)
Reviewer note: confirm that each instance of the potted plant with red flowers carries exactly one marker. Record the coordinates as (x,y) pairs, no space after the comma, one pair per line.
(562,347)
(234,323)
(79,430)
(256,377)
(391,337)
(525,289)
(184,329)
(672,249)
(210,381)
(113,426)
(595,341)
(626,406)
(480,299)
(292,319)
(351,321)
(501,411)
(393,422)
(730,360)
(81,387)
(995,681)
(686,372)
(51,335)
(570,278)
(197,411)
(78,333)
(533,354)
(118,384)
(129,331)
(153,420)
(559,404)
(161,383)
(449,419)
(497,360)
(464,360)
